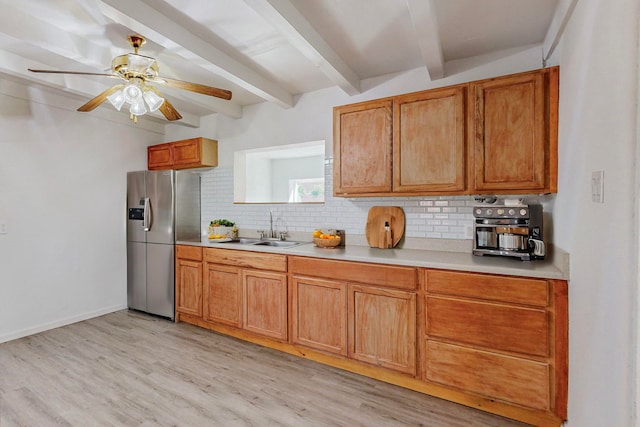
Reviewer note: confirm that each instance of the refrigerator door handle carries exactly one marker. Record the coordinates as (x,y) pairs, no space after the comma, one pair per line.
(146,219)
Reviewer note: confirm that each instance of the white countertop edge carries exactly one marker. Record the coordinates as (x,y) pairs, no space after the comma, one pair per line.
(556,266)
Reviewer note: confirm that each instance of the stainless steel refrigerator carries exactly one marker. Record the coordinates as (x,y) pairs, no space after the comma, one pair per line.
(162,207)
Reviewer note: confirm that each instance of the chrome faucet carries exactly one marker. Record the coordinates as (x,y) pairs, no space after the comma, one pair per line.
(272,232)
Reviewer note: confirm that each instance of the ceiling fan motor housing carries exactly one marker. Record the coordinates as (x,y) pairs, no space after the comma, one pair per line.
(136,41)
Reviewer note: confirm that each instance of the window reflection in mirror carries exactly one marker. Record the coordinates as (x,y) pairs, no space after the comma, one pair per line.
(291,173)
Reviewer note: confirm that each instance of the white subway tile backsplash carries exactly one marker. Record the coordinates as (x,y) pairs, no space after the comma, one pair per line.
(426,217)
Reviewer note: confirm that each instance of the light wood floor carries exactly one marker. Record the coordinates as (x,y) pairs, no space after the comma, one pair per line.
(130,369)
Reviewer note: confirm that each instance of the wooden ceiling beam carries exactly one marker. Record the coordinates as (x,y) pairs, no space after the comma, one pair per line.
(425,25)
(169,34)
(36,31)
(289,22)
(561,18)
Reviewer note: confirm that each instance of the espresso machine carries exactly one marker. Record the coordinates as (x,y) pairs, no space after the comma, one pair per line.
(509,228)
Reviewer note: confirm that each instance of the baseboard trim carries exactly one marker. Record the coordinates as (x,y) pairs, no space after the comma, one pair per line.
(58,323)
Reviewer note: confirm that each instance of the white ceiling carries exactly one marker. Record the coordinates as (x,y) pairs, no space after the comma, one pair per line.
(261,50)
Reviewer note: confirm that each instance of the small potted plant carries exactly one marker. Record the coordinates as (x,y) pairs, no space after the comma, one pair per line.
(222,229)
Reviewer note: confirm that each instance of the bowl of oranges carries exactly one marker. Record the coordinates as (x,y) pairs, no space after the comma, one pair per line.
(325,240)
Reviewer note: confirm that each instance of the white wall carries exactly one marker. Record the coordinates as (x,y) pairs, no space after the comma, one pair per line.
(62,194)
(598,89)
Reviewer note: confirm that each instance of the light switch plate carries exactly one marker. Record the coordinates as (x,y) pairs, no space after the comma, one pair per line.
(597,186)
(3,227)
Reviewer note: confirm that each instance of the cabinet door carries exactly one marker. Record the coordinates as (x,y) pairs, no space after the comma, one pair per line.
(159,157)
(187,152)
(319,314)
(362,148)
(382,327)
(265,303)
(189,287)
(510,133)
(429,141)
(222,294)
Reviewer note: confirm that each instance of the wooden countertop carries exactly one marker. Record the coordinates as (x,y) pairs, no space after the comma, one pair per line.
(555,266)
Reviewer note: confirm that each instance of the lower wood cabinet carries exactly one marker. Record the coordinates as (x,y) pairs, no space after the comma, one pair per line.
(518,380)
(382,327)
(188,280)
(503,338)
(380,322)
(264,296)
(246,290)
(223,294)
(497,343)
(319,314)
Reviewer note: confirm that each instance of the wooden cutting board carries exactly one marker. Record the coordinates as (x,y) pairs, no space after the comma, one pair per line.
(377,235)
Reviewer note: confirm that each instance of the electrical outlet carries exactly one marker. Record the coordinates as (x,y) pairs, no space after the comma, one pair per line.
(597,186)
(3,227)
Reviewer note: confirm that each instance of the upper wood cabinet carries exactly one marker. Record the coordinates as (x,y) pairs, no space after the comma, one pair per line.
(160,156)
(188,153)
(514,133)
(429,141)
(362,148)
(494,136)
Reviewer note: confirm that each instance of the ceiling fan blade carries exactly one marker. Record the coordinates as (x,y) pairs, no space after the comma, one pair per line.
(166,108)
(193,87)
(93,103)
(75,72)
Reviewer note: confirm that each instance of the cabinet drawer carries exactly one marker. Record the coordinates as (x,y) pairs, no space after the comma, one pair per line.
(370,274)
(496,376)
(260,261)
(189,252)
(496,326)
(518,290)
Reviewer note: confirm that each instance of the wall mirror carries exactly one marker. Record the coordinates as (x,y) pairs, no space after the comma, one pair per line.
(291,173)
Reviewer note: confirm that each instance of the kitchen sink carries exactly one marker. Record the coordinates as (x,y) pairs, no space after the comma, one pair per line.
(258,242)
(245,241)
(278,243)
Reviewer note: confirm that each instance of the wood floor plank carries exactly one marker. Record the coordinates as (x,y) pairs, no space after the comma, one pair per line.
(131,369)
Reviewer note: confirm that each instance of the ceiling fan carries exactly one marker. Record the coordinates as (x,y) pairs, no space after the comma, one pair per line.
(137,71)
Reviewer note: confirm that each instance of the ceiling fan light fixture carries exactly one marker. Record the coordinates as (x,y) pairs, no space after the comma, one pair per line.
(132,93)
(138,108)
(136,71)
(116,99)
(153,100)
